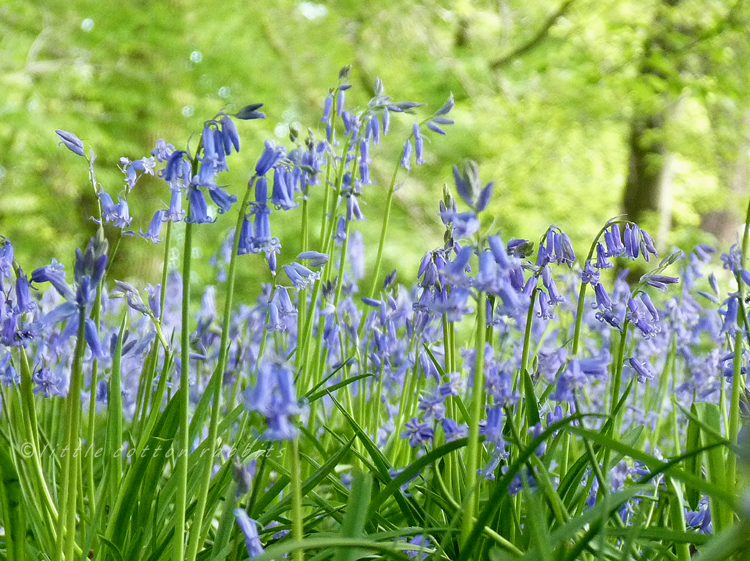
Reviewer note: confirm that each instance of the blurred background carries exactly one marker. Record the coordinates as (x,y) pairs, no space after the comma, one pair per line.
(579,109)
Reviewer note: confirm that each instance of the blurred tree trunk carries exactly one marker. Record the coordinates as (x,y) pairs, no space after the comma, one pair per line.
(647,195)
(736,175)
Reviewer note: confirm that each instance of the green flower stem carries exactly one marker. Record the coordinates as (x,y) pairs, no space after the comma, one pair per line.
(298,530)
(384,231)
(165,271)
(734,418)
(183,444)
(473,447)
(216,385)
(70,474)
(90,485)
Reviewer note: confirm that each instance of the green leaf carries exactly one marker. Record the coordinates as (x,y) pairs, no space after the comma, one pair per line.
(693,464)
(356,515)
(11,500)
(532,407)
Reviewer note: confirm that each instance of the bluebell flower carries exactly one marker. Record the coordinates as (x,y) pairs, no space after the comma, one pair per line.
(453,431)
(300,275)
(603,301)
(642,369)
(162,151)
(406,155)
(222,199)
(327,106)
(374,129)
(729,324)
(268,159)
(23,295)
(174,168)
(661,281)
(261,191)
(49,383)
(353,212)
(601,258)
(316,258)
(589,275)
(250,531)
(632,241)
(8,375)
(246,238)
(198,208)
(612,238)
(121,214)
(418,433)
(71,142)
(92,339)
(434,127)
(432,407)
(230,136)
(175,212)
(419,541)
(154,228)
(464,224)
(283,194)
(250,112)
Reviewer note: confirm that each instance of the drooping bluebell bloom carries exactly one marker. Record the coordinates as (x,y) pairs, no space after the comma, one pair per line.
(661,281)
(601,258)
(250,112)
(300,275)
(162,151)
(23,295)
(261,191)
(269,158)
(434,127)
(92,339)
(154,228)
(603,301)
(453,431)
(121,214)
(642,369)
(730,315)
(353,212)
(108,207)
(418,433)
(71,142)
(374,129)
(632,241)
(49,383)
(198,208)
(222,199)
(432,407)
(283,193)
(174,168)
(250,531)
(406,155)
(612,238)
(464,224)
(175,212)
(316,258)
(327,106)
(589,275)
(230,136)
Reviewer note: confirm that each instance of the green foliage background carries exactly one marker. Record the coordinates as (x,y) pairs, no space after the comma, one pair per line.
(549,124)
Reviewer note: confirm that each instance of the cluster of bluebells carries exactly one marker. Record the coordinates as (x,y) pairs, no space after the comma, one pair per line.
(395,341)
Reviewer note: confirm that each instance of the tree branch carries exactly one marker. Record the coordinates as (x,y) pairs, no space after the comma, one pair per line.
(535,40)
